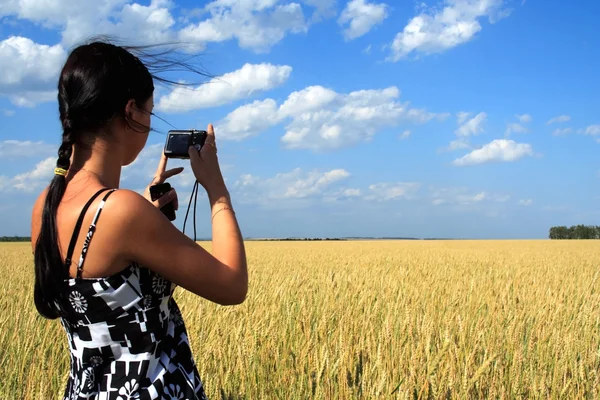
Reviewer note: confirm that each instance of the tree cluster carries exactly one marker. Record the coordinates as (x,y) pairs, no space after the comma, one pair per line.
(575,232)
(14,239)
(298,239)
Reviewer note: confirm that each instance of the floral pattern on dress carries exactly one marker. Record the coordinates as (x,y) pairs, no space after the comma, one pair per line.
(158,284)
(129,391)
(173,392)
(78,302)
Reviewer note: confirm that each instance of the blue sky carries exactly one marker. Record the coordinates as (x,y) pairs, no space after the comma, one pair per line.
(456,118)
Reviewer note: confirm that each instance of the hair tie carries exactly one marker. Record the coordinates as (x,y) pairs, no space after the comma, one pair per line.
(60,171)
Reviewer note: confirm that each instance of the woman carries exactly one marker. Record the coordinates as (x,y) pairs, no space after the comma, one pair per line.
(106,259)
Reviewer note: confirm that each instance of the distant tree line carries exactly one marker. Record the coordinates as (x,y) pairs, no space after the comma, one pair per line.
(575,232)
(15,239)
(294,239)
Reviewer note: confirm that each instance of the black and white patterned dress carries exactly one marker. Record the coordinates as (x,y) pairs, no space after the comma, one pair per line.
(126,335)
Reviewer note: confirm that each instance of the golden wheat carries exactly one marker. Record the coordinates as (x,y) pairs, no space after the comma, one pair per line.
(363,319)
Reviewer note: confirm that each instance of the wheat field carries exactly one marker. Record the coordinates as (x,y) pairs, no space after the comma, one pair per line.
(363,320)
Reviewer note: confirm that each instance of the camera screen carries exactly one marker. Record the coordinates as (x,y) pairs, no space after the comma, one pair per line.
(178,143)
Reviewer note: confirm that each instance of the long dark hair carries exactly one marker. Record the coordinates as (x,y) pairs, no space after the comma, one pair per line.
(97,80)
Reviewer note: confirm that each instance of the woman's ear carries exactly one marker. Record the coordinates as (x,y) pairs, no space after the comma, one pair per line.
(129,108)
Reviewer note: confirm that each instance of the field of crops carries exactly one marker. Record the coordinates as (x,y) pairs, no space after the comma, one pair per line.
(372,320)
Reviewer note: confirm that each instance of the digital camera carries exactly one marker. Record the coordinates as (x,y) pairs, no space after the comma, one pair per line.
(178,142)
(159,190)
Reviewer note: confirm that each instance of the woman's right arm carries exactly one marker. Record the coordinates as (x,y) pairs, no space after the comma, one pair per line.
(227,240)
(151,240)
(154,242)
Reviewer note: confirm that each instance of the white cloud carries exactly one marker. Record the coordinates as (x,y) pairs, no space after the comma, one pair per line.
(256,24)
(560,118)
(29,70)
(289,186)
(464,196)
(438,30)
(244,82)
(517,127)
(343,194)
(137,174)
(50,14)
(4,183)
(525,118)
(498,150)
(467,127)
(525,202)
(462,117)
(386,191)
(302,188)
(405,135)
(351,192)
(147,24)
(18,149)
(471,127)
(309,99)
(31,98)
(37,178)
(562,131)
(322,119)
(324,9)
(299,188)
(591,130)
(248,120)
(314,183)
(8,113)
(457,144)
(144,166)
(81,19)
(360,16)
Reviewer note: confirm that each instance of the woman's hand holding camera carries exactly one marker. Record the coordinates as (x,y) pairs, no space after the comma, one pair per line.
(205,166)
(161,176)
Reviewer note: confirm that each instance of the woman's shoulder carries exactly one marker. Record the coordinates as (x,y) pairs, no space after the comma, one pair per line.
(128,204)
(131,216)
(128,201)
(123,205)
(38,204)
(36,216)
(128,196)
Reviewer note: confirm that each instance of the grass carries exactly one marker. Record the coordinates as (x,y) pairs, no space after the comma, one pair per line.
(363,320)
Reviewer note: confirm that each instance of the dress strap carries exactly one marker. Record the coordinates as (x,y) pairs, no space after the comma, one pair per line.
(90,233)
(78,227)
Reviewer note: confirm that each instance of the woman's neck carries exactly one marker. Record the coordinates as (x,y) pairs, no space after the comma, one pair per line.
(103,160)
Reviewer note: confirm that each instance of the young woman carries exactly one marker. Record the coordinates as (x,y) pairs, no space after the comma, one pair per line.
(106,259)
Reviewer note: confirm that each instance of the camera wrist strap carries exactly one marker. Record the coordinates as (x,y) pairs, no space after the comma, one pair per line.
(195,196)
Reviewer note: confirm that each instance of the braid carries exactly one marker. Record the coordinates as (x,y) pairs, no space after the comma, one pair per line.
(66,148)
(50,268)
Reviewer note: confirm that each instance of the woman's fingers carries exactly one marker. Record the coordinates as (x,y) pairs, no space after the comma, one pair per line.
(165,199)
(210,140)
(162,166)
(166,175)
(172,172)
(210,133)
